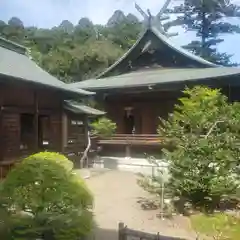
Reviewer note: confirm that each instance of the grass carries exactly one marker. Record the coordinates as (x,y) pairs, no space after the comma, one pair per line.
(219,226)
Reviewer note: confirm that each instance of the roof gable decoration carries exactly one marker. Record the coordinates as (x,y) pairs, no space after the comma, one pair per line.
(156,21)
(154,27)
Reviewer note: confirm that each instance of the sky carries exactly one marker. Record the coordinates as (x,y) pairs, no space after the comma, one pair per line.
(49,13)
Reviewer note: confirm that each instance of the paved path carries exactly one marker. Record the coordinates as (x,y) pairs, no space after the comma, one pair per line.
(116,194)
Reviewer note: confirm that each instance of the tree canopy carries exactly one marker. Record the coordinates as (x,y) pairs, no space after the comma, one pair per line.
(209,19)
(74,53)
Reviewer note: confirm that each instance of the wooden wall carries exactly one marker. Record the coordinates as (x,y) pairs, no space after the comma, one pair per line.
(18,99)
(77,128)
(148,107)
(76,137)
(10,134)
(23,96)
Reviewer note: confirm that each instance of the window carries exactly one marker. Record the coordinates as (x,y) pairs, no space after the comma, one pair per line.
(27,130)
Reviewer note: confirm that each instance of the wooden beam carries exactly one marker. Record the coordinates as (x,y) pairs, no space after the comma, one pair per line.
(16,109)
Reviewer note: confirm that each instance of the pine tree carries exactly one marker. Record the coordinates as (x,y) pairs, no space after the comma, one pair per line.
(208,18)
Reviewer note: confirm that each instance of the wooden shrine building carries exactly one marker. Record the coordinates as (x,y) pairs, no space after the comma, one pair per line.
(33,113)
(146,82)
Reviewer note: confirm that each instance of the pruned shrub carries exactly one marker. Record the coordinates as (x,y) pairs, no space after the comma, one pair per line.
(103,127)
(43,198)
(52,156)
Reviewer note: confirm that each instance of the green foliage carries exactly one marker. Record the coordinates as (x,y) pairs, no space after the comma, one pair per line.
(52,156)
(208,18)
(218,226)
(104,127)
(204,164)
(43,198)
(73,53)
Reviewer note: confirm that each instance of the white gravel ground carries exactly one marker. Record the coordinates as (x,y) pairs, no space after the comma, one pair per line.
(116,194)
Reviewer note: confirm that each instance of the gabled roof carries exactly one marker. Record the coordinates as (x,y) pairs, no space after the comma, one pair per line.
(15,63)
(79,108)
(137,48)
(160,76)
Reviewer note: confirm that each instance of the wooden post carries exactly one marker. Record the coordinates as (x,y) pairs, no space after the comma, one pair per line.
(2,93)
(1,136)
(121,231)
(64,130)
(36,139)
(128,151)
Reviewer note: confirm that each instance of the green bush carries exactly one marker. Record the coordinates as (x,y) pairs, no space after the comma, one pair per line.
(52,156)
(204,164)
(104,127)
(42,198)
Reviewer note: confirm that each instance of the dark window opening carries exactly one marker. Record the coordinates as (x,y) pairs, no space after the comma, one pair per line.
(129,121)
(27,130)
(43,132)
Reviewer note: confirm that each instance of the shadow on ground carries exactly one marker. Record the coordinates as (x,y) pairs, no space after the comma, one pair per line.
(104,234)
(109,163)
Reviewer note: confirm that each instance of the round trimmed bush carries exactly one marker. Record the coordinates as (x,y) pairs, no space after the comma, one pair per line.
(43,198)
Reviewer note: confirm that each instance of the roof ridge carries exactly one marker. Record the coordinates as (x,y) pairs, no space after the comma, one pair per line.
(181,49)
(140,37)
(10,45)
(154,30)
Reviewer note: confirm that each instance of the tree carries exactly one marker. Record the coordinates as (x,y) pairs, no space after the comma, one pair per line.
(43,198)
(103,127)
(124,34)
(208,18)
(14,30)
(73,53)
(204,163)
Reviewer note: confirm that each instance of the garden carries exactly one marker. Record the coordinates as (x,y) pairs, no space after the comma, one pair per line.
(44,198)
(203,133)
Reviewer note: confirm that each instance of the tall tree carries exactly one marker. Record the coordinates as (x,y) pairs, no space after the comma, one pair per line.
(210,20)
(74,53)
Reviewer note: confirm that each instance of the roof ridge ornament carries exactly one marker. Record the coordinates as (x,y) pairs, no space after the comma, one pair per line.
(156,21)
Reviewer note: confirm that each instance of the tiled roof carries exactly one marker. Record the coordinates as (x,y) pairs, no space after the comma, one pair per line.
(80,108)
(16,64)
(160,76)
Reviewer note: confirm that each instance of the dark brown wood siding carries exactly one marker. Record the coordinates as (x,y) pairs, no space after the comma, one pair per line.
(11,135)
(147,108)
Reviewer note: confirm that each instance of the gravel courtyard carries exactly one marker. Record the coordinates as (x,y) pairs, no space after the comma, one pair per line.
(116,194)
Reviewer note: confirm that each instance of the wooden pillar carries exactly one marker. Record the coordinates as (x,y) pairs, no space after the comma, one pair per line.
(128,151)
(36,114)
(86,128)
(64,131)
(1,125)
(1,135)
(146,120)
(137,118)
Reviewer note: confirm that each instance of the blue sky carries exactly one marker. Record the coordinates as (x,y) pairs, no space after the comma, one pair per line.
(49,13)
